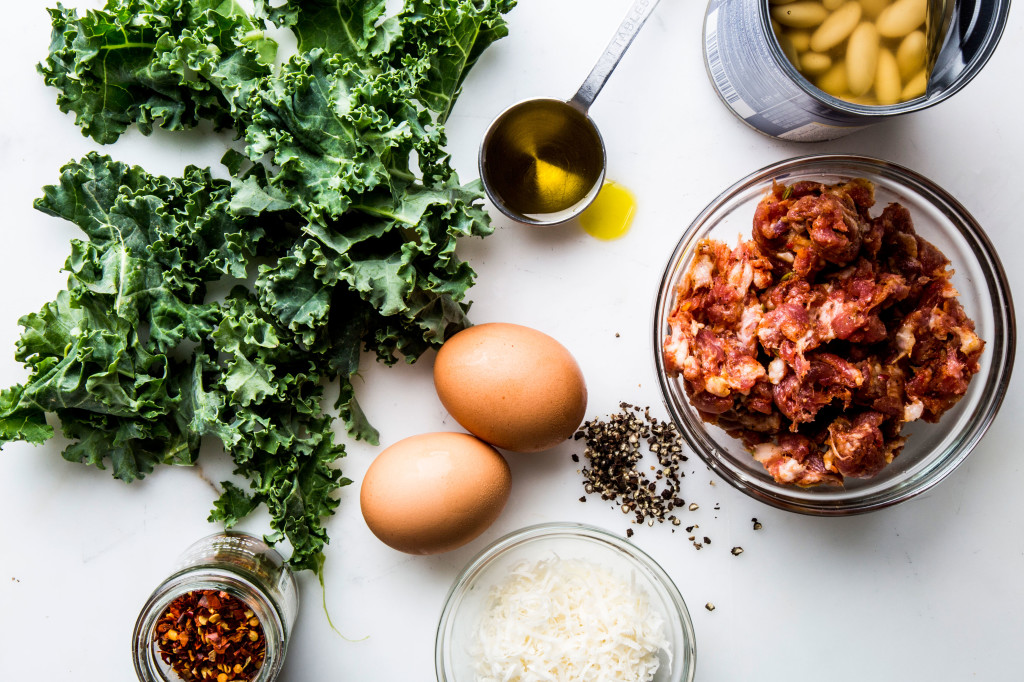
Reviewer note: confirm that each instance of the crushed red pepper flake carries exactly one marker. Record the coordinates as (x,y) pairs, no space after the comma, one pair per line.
(210,635)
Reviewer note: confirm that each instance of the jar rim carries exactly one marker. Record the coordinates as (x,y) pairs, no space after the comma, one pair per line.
(149,667)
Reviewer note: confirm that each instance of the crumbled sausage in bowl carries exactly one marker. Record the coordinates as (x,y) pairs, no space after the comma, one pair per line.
(834,334)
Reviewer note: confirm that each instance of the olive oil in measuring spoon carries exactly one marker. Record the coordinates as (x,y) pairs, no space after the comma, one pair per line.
(545,158)
(542,161)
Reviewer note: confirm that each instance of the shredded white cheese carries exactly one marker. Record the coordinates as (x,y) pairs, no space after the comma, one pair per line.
(565,620)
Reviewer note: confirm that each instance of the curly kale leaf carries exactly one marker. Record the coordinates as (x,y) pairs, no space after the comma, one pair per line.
(168,62)
(448,37)
(435,42)
(272,424)
(353,29)
(105,356)
(98,355)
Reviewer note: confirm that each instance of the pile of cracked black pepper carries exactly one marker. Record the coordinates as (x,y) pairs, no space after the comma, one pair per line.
(614,449)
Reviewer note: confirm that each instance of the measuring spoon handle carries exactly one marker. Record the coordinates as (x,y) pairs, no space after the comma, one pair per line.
(622,39)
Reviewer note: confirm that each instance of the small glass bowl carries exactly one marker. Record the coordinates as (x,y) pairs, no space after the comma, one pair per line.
(465,602)
(932,450)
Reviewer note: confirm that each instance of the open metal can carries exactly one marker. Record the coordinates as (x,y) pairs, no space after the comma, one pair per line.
(757,82)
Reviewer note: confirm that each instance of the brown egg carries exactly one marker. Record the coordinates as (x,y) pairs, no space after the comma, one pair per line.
(511,386)
(434,492)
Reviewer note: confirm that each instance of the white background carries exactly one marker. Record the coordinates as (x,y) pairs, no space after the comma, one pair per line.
(930,590)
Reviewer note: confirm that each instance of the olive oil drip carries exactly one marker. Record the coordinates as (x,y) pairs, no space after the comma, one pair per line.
(611,214)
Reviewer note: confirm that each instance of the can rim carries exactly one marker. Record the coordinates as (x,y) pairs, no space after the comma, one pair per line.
(1000,13)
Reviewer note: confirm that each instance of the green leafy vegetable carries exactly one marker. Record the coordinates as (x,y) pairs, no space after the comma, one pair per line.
(141,61)
(337,226)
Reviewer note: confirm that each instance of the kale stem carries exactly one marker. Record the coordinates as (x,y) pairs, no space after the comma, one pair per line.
(125,46)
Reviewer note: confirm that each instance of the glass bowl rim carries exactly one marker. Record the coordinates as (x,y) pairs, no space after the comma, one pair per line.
(576,531)
(1003,345)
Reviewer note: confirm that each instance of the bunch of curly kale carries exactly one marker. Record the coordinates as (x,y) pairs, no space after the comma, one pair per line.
(337,228)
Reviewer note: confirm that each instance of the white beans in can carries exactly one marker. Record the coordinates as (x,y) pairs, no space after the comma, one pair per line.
(772,61)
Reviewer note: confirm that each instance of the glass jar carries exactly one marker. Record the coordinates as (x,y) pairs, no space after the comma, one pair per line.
(244,567)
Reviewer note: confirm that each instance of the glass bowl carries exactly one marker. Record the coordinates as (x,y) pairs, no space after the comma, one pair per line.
(466,600)
(932,451)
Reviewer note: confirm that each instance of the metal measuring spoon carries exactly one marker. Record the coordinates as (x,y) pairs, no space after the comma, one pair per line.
(542,161)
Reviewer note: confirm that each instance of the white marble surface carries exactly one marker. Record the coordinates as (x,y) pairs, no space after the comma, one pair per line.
(930,590)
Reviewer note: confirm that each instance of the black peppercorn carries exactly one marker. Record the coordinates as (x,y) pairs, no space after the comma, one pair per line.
(614,449)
